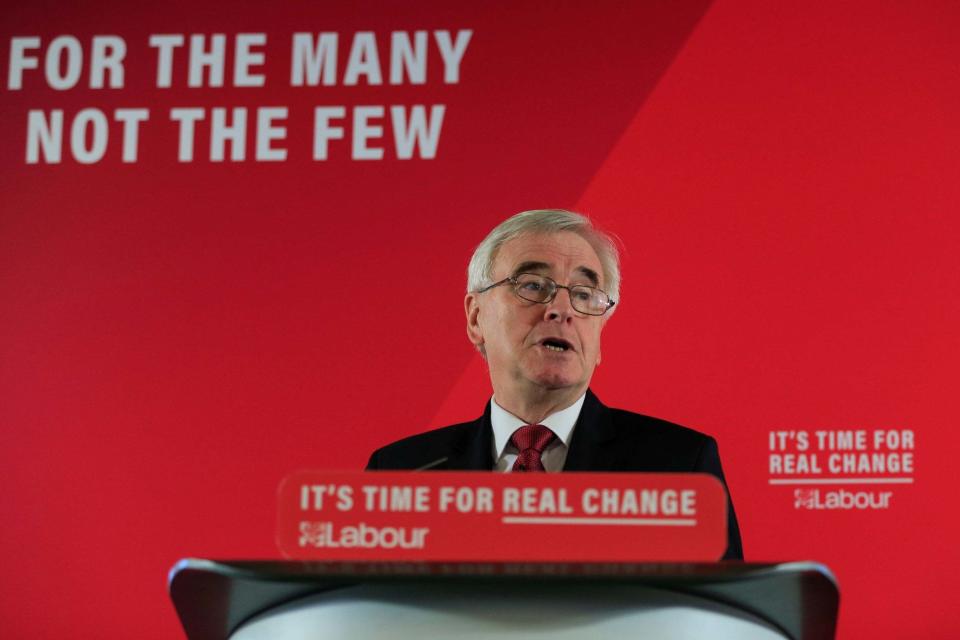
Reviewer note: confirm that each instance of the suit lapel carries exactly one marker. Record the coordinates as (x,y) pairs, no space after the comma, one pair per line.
(593,446)
(474,450)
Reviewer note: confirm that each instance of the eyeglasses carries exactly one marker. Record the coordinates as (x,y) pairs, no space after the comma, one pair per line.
(543,290)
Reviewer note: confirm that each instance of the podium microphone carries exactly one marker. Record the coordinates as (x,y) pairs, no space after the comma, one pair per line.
(431,465)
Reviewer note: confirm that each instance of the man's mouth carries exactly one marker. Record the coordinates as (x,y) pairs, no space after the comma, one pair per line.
(558,345)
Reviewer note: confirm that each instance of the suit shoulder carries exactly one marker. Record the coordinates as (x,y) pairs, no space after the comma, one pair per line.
(421,449)
(658,429)
(664,445)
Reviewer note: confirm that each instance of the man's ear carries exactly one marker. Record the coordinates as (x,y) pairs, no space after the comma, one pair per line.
(603,323)
(471,306)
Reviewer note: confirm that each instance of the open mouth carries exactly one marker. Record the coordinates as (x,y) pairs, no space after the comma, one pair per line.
(558,345)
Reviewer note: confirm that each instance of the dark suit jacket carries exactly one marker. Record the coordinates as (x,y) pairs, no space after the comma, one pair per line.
(604,439)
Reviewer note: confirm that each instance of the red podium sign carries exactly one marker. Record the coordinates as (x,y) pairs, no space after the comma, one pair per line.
(482,517)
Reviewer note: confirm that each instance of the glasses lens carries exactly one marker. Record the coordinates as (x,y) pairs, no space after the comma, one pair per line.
(589,300)
(535,288)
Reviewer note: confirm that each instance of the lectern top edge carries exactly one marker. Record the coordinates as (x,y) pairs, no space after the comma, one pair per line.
(214,598)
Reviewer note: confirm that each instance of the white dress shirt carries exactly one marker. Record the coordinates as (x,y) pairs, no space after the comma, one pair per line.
(505,423)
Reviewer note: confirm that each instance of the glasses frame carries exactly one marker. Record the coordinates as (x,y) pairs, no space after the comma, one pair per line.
(514,280)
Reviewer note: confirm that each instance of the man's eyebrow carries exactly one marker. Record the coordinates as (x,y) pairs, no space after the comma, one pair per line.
(530,266)
(533,266)
(591,275)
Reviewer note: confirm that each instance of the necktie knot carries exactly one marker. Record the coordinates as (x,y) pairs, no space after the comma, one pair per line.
(531,440)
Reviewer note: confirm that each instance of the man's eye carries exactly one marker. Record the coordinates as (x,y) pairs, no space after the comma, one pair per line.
(531,286)
(583,295)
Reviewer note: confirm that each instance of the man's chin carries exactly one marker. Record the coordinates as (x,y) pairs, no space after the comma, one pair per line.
(555,381)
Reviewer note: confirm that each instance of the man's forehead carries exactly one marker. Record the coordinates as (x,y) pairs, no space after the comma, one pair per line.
(560,254)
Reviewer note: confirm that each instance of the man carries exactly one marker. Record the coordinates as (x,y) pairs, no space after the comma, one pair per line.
(540,289)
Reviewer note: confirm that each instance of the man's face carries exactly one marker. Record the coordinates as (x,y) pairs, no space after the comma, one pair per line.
(520,339)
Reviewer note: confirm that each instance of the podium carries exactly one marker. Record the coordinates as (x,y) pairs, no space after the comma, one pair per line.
(297,600)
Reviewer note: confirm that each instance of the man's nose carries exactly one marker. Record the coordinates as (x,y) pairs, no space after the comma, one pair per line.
(561,307)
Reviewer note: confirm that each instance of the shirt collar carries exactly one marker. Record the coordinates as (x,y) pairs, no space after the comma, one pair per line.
(505,423)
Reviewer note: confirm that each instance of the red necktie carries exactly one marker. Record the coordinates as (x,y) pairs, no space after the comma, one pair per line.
(531,440)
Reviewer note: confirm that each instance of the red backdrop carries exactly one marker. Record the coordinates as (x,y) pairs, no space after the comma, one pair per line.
(175,337)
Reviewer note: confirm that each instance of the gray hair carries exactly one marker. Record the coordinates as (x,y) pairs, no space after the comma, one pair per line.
(480,270)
